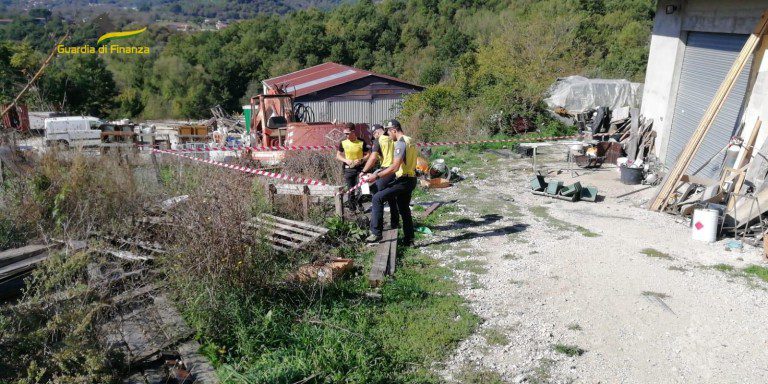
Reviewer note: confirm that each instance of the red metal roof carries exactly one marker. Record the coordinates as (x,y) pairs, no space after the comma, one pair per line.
(323,76)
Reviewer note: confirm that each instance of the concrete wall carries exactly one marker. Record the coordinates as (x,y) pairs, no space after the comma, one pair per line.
(662,74)
(668,46)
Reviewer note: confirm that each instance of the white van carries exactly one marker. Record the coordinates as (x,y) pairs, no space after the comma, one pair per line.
(73,131)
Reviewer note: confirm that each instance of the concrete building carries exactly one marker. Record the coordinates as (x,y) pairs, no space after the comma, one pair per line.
(345,94)
(693,46)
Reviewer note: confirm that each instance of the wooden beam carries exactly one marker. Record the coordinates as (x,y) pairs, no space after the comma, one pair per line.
(392,237)
(684,161)
(36,76)
(305,203)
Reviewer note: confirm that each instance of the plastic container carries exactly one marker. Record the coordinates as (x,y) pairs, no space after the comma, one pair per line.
(631,176)
(704,225)
(620,162)
(247,116)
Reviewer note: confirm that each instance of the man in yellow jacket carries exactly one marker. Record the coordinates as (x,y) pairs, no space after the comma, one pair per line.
(353,153)
(404,168)
(383,150)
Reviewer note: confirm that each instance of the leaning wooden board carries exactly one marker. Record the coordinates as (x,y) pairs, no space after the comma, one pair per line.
(685,158)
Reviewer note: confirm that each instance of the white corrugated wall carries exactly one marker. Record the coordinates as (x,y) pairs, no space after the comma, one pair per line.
(356,111)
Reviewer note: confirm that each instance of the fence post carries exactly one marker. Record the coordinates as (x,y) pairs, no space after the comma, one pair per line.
(156,165)
(305,203)
(339,202)
(271,191)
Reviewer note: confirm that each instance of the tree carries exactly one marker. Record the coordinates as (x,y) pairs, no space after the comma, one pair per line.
(80,84)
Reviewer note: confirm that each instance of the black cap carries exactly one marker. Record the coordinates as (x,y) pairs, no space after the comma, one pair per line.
(374,127)
(394,124)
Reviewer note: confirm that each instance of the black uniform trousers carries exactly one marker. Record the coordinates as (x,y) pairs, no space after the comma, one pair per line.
(394,215)
(401,189)
(351,178)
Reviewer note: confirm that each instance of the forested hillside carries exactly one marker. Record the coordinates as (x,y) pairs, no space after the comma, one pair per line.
(483,60)
(178,10)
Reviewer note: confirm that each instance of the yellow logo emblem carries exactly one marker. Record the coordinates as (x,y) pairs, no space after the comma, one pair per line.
(107,37)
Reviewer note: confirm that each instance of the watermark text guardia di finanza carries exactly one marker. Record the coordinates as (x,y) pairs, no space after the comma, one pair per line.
(104,49)
(103,46)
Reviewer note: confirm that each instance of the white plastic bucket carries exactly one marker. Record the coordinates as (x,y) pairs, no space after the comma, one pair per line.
(704,225)
(619,162)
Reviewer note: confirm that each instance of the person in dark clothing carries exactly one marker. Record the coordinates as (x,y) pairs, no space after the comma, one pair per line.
(353,153)
(383,151)
(404,168)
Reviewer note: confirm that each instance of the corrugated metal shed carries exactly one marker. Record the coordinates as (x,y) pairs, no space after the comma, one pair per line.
(345,94)
(324,76)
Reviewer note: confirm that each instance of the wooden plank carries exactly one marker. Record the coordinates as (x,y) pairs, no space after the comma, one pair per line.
(22,266)
(291,235)
(128,295)
(749,145)
(685,158)
(125,255)
(314,190)
(172,324)
(634,134)
(432,208)
(288,243)
(392,235)
(15,255)
(196,364)
(742,166)
(300,224)
(381,262)
(262,222)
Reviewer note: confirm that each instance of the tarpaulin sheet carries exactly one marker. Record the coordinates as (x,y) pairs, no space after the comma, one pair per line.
(577,94)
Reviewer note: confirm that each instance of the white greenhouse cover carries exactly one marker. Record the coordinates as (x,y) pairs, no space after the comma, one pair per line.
(578,94)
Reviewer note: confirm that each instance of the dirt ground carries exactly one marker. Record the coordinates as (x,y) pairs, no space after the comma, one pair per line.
(603,292)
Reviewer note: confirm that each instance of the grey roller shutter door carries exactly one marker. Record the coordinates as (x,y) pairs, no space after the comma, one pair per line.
(707,60)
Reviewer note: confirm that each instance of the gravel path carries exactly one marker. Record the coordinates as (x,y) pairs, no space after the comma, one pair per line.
(567,294)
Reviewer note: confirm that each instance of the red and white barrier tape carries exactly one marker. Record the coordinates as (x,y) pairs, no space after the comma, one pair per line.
(307,181)
(331,147)
(442,143)
(258,172)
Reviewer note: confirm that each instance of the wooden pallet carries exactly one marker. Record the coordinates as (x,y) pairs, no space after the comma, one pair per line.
(287,235)
(309,193)
(386,258)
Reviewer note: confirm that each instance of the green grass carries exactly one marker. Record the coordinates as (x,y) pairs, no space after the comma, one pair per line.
(478,375)
(650,252)
(511,256)
(677,268)
(542,374)
(723,267)
(574,327)
(655,294)
(569,350)
(286,336)
(758,271)
(473,266)
(543,214)
(495,336)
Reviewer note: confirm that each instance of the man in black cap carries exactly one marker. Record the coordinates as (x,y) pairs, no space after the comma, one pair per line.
(404,168)
(353,153)
(383,151)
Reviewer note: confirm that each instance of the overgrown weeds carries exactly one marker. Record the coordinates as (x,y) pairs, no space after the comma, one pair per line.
(254,323)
